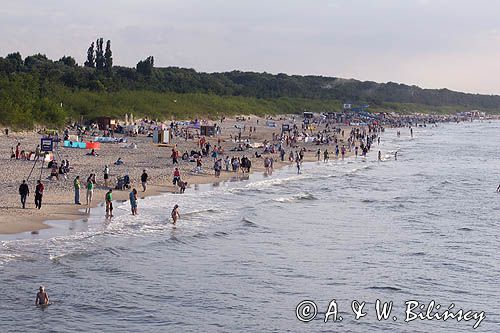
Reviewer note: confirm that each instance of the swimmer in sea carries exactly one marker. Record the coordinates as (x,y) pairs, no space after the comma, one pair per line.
(175,214)
(42,298)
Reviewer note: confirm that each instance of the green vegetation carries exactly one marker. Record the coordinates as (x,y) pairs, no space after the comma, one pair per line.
(38,91)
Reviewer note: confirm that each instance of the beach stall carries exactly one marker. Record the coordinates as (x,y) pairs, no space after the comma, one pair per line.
(161,136)
(270,123)
(106,123)
(207,130)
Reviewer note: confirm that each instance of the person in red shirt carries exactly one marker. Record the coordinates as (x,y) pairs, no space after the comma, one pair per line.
(39,194)
(175,156)
(177,176)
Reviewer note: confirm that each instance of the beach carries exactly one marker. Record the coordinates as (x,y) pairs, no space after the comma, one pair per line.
(246,252)
(58,203)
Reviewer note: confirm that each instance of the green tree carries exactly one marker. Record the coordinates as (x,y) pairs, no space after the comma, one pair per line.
(15,62)
(108,58)
(90,62)
(145,67)
(99,54)
(68,61)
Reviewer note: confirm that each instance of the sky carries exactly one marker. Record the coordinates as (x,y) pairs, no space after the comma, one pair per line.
(451,44)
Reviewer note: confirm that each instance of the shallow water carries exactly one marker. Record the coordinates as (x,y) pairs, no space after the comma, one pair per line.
(245,253)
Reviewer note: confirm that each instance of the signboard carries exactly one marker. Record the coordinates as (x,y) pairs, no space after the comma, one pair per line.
(285,128)
(46,145)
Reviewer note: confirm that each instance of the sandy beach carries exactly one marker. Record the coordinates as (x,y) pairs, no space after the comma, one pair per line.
(58,199)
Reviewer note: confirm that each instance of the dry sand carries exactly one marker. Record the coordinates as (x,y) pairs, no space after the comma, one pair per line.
(58,199)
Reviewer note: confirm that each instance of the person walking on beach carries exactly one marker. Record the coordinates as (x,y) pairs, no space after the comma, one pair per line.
(77,186)
(177,176)
(325,156)
(24,191)
(175,156)
(90,189)
(175,214)
(42,298)
(144,180)
(109,203)
(106,175)
(133,201)
(18,150)
(39,194)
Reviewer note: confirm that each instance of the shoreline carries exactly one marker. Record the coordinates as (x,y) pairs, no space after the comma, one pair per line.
(58,198)
(71,212)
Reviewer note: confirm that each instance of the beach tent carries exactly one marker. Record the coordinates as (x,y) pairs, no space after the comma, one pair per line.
(161,136)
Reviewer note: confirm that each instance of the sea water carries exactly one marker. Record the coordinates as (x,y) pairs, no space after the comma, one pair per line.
(245,253)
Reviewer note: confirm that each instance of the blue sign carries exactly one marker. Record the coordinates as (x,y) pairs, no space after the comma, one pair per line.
(46,145)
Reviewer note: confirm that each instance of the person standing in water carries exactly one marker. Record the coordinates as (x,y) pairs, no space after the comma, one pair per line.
(318,154)
(379,155)
(175,214)
(42,298)
(411,132)
(396,156)
(298,165)
(109,203)
(133,201)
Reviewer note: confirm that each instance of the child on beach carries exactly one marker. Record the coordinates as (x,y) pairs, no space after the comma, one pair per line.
(109,203)
(133,201)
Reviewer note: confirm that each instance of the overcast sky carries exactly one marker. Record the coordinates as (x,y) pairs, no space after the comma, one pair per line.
(430,43)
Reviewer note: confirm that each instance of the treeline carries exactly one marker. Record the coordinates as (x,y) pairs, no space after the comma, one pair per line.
(37,90)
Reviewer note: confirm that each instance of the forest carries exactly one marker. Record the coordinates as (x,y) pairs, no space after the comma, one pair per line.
(37,91)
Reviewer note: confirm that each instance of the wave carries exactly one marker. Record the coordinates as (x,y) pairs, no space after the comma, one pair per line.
(248,223)
(296,197)
(385,288)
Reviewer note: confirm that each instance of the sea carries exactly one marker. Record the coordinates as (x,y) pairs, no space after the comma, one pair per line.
(326,250)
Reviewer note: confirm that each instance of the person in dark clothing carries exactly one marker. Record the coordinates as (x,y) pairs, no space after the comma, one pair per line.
(24,191)
(144,180)
(39,194)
